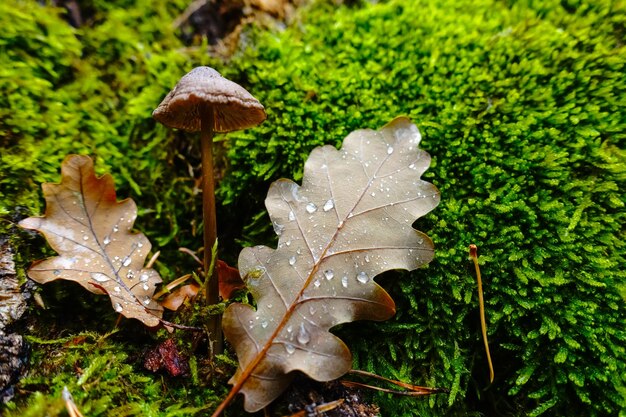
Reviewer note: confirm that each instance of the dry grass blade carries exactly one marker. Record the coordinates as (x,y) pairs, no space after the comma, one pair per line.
(317,410)
(70,406)
(413,390)
(473,253)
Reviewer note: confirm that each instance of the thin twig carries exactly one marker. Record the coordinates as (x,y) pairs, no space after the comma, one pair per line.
(192,254)
(392,391)
(473,253)
(411,390)
(319,409)
(153,259)
(170,286)
(191,9)
(70,406)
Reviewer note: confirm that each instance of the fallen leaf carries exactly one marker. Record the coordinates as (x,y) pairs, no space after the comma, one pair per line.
(348,222)
(176,298)
(91,231)
(229,280)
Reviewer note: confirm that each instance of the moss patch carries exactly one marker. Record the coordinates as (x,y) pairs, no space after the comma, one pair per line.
(521,104)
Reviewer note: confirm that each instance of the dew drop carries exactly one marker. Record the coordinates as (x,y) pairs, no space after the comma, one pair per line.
(292,260)
(126,261)
(278,228)
(317,283)
(292,216)
(362,277)
(289,329)
(99,277)
(106,240)
(329,205)
(367,258)
(290,348)
(311,208)
(329,274)
(312,310)
(344,282)
(412,166)
(56,272)
(130,275)
(146,300)
(389,150)
(264,324)
(118,307)
(116,228)
(144,277)
(303,335)
(145,287)
(85,237)
(117,289)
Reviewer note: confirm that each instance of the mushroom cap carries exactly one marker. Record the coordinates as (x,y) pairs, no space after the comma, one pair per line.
(234,107)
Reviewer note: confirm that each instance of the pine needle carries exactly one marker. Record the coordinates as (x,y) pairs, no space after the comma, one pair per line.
(473,253)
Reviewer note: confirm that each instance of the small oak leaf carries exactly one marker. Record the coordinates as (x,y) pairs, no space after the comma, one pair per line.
(91,231)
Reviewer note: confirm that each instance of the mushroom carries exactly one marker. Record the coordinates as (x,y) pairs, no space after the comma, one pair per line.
(205,101)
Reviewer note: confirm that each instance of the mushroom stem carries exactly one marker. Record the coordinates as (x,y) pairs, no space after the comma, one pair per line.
(210,224)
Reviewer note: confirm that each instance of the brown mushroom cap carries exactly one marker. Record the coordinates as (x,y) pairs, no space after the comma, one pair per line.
(234,107)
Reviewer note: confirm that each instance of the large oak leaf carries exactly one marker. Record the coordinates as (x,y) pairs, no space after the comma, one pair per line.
(91,231)
(348,222)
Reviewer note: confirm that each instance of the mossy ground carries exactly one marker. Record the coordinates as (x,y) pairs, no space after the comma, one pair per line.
(522,105)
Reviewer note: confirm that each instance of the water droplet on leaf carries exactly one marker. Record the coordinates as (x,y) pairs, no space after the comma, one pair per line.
(329,274)
(329,205)
(292,260)
(303,335)
(290,348)
(99,277)
(362,277)
(344,282)
(311,208)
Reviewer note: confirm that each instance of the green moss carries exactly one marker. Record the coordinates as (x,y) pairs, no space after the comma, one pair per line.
(104,381)
(521,104)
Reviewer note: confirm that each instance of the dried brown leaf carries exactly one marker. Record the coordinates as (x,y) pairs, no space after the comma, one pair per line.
(91,231)
(348,222)
(230,280)
(176,298)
